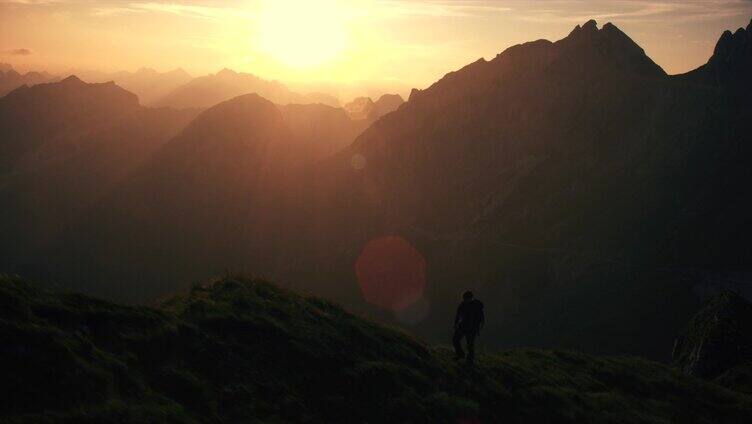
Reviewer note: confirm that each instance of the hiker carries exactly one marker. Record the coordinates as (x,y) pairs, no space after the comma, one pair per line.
(467,323)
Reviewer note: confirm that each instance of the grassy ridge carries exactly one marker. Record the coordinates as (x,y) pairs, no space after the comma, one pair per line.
(245,350)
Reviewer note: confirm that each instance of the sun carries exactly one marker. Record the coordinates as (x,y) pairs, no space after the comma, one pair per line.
(302,33)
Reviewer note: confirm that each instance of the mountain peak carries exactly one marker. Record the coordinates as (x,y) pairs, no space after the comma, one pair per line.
(72,79)
(590,25)
(590,29)
(731,63)
(388,103)
(29,116)
(607,47)
(731,41)
(226,72)
(248,113)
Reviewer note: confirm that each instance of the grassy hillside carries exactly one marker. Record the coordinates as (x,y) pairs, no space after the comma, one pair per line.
(245,350)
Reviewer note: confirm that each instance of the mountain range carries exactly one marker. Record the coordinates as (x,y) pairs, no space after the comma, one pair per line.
(584,194)
(148,84)
(561,180)
(175,88)
(10,79)
(67,144)
(95,145)
(211,89)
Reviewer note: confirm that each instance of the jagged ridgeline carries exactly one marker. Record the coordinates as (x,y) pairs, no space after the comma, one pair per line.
(238,349)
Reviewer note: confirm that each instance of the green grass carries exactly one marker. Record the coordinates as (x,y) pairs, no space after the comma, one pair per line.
(244,350)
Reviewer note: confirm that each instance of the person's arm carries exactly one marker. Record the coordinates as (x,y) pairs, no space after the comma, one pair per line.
(457,316)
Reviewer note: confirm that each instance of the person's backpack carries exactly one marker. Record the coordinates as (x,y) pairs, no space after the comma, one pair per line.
(474,313)
(478,310)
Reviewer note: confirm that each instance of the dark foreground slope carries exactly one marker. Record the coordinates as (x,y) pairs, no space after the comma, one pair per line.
(245,350)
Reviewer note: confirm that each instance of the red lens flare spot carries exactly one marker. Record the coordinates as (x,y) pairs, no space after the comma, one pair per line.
(391,273)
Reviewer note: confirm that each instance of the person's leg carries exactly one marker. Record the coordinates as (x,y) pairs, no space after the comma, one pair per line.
(456,341)
(470,346)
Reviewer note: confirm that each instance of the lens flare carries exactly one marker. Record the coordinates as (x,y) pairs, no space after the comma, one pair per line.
(391,273)
(358,162)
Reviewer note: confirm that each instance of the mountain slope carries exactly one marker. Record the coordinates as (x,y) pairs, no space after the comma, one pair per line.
(730,65)
(533,100)
(217,195)
(561,181)
(240,350)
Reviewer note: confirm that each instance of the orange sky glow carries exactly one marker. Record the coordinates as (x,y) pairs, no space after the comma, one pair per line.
(395,44)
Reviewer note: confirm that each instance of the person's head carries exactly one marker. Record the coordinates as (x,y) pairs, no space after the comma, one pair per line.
(468,295)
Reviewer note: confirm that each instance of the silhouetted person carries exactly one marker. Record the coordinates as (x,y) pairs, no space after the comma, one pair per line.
(467,323)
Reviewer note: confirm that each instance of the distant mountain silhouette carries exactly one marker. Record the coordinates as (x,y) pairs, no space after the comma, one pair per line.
(222,188)
(148,84)
(68,144)
(49,115)
(209,90)
(10,79)
(240,350)
(365,109)
(388,103)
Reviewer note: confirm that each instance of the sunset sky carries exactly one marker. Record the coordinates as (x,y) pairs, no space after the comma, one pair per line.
(399,43)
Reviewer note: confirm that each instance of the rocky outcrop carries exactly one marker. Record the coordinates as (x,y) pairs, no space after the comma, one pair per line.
(360,108)
(364,108)
(606,49)
(718,339)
